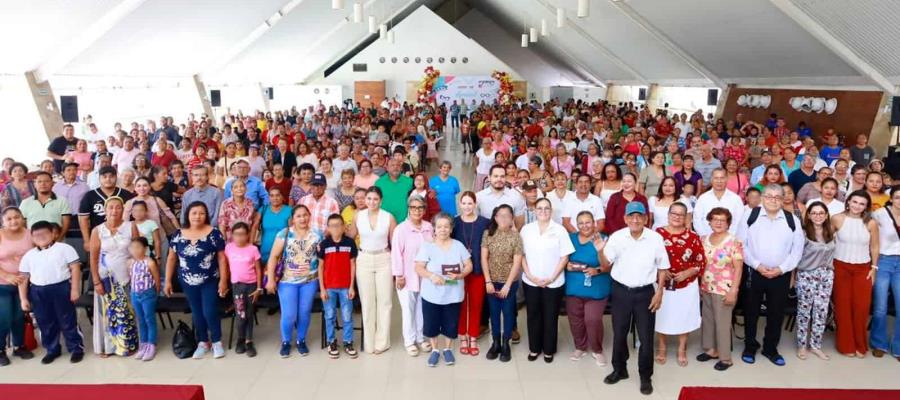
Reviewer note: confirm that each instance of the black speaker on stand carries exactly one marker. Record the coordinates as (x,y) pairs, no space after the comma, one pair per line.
(642,94)
(68,107)
(712,97)
(215,98)
(270,93)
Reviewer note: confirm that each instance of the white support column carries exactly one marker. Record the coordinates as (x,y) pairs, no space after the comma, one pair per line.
(653,97)
(834,44)
(668,43)
(204,96)
(45,103)
(723,97)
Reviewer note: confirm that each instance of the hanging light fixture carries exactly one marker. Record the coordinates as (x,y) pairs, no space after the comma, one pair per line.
(390,36)
(560,17)
(337,4)
(373,26)
(584,8)
(533,35)
(357,12)
(524,40)
(382,31)
(544,30)
(524,31)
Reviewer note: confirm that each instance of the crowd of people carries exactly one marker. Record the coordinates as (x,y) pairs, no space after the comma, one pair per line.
(669,222)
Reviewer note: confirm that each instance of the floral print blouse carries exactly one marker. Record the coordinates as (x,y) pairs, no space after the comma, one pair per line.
(718,276)
(231,213)
(685,252)
(198,261)
(300,251)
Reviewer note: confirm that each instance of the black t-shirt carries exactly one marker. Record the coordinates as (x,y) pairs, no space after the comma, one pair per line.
(166,193)
(94,204)
(60,146)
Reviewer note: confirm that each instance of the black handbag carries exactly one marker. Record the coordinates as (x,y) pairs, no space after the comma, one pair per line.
(184,343)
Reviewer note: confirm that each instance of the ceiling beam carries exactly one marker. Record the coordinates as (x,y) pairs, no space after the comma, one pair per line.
(251,37)
(577,64)
(668,43)
(88,37)
(595,43)
(834,44)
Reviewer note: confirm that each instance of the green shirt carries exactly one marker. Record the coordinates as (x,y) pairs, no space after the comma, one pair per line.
(52,211)
(395,195)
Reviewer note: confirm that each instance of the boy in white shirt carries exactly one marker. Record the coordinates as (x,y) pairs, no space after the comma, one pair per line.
(54,276)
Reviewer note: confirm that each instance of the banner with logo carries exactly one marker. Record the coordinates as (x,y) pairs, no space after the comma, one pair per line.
(465,88)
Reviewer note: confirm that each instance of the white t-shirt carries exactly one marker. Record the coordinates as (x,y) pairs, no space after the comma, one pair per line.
(125,159)
(889,240)
(339,165)
(708,201)
(559,206)
(49,266)
(488,200)
(485,162)
(834,208)
(543,251)
(636,261)
(574,205)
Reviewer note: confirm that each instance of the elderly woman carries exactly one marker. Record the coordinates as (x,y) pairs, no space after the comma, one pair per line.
(198,251)
(115,330)
(679,314)
(719,287)
(587,290)
(296,246)
(547,249)
(442,264)
(343,194)
(15,241)
(408,237)
(501,260)
(236,209)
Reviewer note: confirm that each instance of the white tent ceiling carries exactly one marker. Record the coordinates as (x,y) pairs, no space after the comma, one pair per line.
(698,42)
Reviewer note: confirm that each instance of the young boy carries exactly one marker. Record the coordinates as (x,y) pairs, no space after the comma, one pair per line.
(54,272)
(338,260)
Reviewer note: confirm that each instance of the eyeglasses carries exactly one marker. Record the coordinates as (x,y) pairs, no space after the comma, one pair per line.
(417,208)
(772,197)
(720,220)
(818,214)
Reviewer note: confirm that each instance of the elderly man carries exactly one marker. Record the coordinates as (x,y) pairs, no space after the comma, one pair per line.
(636,259)
(718,196)
(757,173)
(706,164)
(395,188)
(497,193)
(205,193)
(343,161)
(320,206)
(256,189)
(805,174)
(773,244)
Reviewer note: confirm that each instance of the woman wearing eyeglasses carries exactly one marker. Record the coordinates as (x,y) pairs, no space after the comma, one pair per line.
(547,249)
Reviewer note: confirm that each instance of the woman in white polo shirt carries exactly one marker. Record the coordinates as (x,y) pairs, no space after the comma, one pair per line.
(547,248)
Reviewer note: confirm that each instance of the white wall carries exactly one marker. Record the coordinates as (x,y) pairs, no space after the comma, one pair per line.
(589,94)
(23,136)
(680,99)
(421,34)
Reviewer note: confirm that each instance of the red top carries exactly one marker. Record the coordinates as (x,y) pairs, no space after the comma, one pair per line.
(615,211)
(165,160)
(685,252)
(284,186)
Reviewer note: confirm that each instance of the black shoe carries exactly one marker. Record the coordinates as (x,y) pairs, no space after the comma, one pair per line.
(548,358)
(23,353)
(240,347)
(533,356)
(646,387)
(272,311)
(251,350)
(703,357)
(4,360)
(49,358)
(494,351)
(615,377)
(302,348)
(76,358)
(333,350)
(505,353)
(721,366)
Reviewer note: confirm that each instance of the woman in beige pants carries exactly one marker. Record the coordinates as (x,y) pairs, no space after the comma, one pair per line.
(373,271)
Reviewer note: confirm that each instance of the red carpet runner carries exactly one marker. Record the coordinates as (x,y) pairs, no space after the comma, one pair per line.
(731,393)
(122,392)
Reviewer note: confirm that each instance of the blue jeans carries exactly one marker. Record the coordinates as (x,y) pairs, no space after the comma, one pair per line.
(338,296)
(886,279)
(504,309)
(12,319)
(145,310)
(204,302)
(296,300)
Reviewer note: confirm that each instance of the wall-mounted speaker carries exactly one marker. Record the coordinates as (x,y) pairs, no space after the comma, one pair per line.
(68,107)
(215,97)
(270,93)
(642,94)
(712,97)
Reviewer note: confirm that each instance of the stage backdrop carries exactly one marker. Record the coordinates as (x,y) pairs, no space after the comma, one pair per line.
(467,88)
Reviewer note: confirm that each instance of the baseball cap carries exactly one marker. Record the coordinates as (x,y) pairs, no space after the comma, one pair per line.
(532,144)
(635,207)
(529,185)
(319,179)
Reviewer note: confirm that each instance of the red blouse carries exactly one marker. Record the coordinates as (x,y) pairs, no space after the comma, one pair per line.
(685,252)
(615,211)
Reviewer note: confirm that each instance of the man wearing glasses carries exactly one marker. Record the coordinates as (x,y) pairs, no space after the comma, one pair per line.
(773,244)
(637,261)
(718,196)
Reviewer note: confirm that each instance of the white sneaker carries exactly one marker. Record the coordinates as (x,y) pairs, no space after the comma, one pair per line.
(202,350)
(601,359)
(577,355)
(425,347)
(218,350)
(412,350)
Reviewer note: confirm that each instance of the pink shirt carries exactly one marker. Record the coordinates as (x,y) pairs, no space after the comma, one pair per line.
(405,243)
(11,252)
(242,262)
(320,210)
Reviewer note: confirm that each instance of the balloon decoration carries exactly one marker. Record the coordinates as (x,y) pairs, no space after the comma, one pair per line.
(426,85)
(505,95)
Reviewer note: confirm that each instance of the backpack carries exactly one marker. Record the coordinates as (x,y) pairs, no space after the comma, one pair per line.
(754,214)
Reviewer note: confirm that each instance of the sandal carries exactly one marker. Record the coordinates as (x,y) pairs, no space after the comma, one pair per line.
(463,345)
(819,353)
(473,347)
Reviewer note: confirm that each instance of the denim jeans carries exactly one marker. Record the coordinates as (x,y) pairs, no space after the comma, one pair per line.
(12,319)
(503,309)
(887,279)
(145,310)
(296,300)
(346,305)
(204,302)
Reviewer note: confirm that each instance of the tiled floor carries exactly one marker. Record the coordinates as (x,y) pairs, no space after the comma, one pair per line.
(395,375)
